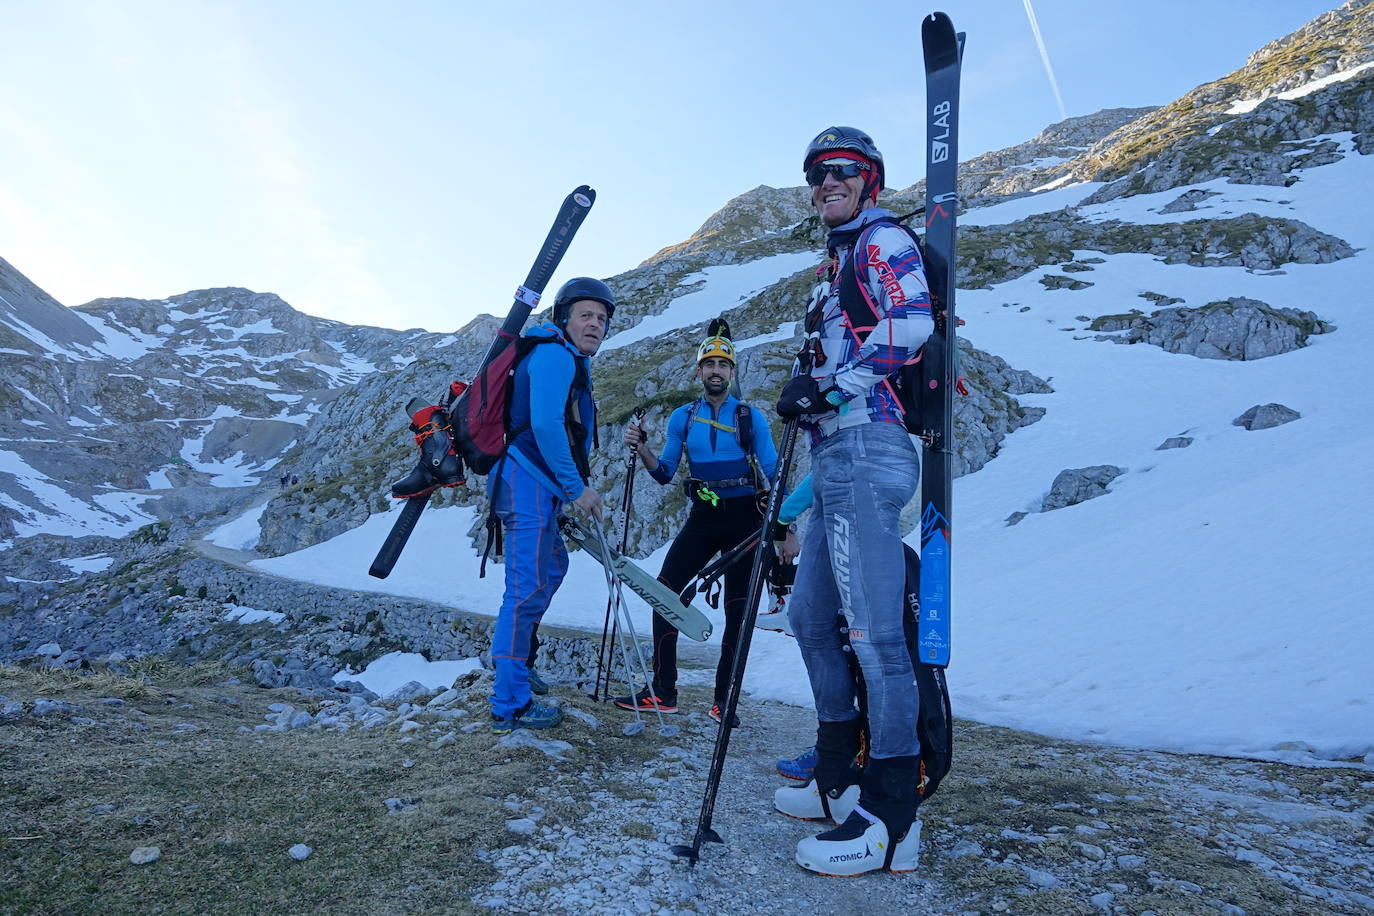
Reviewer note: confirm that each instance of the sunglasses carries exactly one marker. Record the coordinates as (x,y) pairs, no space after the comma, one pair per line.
(815,176)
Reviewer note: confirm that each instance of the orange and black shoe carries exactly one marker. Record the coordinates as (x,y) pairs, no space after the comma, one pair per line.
(715,716)
(647,701)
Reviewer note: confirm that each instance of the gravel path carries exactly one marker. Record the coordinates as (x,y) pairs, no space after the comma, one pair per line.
(617,860)
(1023,825)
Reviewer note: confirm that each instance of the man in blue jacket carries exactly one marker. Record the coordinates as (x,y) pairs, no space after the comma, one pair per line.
(553,419)
(730,458)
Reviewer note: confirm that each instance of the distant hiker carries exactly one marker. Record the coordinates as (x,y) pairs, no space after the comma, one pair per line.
(553,422)
(730,459)
(295,480)
(864,469)
(284,480)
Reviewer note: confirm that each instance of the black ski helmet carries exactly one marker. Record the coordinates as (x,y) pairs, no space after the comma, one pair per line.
(849,139)
(579,288)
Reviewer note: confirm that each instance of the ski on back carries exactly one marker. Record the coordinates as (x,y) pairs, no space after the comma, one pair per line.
(574,210)
(943,53)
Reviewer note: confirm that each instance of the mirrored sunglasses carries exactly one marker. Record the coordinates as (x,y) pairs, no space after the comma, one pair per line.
(815,176)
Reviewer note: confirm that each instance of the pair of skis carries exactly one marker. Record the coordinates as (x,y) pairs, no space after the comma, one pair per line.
(943,56)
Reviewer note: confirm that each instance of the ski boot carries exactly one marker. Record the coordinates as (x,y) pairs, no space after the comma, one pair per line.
(439,466)
(833,790)
(881,833)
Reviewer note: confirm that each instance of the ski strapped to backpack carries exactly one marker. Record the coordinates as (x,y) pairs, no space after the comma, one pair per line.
(944,51)
(448,437)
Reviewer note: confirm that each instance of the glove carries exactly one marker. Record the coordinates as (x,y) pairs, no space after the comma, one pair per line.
(803,395)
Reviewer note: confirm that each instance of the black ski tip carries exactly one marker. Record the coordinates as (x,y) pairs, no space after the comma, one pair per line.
(938,40)
(379,572)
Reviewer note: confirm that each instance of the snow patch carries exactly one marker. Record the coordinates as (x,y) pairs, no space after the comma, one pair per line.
(395,669)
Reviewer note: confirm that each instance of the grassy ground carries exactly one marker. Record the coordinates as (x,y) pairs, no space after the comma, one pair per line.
(1024,824)
(224,806)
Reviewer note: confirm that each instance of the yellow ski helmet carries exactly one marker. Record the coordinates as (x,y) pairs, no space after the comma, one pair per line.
(716,346)
(717,342)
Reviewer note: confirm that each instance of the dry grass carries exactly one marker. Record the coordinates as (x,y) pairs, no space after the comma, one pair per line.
(224,806)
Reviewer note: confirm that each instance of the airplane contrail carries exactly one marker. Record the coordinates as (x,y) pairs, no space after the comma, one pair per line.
(1045,56)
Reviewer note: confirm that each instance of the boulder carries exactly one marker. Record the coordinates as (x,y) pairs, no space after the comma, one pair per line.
(1076,485)
(1266,416)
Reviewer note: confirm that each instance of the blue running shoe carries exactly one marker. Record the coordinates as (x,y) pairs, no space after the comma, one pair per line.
(537,685)
(801,768)
(533,715)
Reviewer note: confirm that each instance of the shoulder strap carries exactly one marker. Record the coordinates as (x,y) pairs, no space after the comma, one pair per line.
(744,427)
(687,424)
(860,309)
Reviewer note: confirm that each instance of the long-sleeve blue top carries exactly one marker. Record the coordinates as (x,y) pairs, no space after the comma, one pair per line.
(796,503)
(713,452)
(543,380)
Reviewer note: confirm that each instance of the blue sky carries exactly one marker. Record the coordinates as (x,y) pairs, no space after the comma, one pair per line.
(398,165)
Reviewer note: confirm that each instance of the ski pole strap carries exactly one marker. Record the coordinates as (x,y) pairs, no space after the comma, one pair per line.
(527,296)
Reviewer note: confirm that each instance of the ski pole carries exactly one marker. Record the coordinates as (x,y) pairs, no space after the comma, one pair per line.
(664,729)
(637,726)
(625,505)
(708,802)
(707,577)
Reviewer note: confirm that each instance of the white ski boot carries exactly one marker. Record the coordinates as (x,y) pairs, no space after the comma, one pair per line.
(859,846)
(808,803)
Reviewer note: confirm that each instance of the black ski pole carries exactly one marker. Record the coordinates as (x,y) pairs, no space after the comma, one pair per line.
(575,208)
(626,503)
(708,802)
(717,567)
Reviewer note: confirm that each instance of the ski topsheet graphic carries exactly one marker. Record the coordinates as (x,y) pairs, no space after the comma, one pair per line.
(944,51)
(691,622)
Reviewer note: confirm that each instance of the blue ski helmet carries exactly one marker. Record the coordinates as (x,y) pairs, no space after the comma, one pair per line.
(579,288)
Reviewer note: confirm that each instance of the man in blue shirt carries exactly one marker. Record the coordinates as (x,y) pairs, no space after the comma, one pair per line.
(727,468)
(553,420)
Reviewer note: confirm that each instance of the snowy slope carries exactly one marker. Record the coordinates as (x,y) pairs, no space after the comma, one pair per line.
(1216,600)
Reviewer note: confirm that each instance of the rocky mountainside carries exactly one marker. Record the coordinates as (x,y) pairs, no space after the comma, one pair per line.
(120,411)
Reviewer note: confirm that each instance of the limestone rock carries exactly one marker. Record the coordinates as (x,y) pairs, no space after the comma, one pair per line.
(1266,416)
(1236,329)
(1076,485)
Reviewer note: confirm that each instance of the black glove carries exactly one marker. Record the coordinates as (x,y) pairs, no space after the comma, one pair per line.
(803,395)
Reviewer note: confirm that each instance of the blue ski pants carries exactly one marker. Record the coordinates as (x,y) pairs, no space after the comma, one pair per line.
(852,562)
(536,562)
